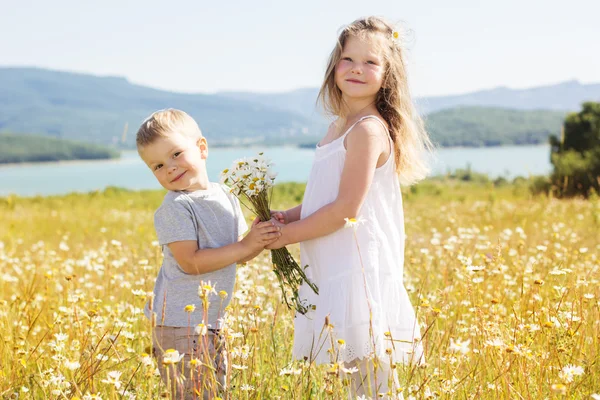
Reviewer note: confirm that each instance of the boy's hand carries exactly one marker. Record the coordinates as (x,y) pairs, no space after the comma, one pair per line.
(281,240)
(261,234)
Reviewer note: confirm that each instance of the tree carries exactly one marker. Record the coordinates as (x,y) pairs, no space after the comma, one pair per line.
(576,155)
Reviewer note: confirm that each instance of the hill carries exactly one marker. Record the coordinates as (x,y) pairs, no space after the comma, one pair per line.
(565,96)
(486,126)
(96,109)
(29,148)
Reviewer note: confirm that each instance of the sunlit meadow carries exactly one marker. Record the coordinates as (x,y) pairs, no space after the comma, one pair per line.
(506,287)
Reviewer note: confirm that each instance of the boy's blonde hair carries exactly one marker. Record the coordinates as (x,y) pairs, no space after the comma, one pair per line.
(393,101)
(166,122)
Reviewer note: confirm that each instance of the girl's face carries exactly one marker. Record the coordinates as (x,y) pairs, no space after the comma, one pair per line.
(359,72)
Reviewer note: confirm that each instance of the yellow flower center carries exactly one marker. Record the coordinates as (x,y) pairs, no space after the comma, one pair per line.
(190,308)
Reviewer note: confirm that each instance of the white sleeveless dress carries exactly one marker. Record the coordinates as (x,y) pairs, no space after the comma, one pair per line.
(346,290)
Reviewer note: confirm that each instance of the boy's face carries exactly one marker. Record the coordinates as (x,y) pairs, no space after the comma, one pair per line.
(178,162)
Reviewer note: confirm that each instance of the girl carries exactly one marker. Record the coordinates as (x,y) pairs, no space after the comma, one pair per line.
(362,312)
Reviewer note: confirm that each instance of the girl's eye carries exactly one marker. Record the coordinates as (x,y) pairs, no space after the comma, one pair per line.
(176,154)
(157,167)
(371,62)
(347,59)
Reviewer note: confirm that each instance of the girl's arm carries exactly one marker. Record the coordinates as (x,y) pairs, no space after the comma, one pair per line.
(284,217)
(293,214)
(366,144)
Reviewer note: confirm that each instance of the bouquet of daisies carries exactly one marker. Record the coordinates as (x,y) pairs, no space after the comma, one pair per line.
(252,179)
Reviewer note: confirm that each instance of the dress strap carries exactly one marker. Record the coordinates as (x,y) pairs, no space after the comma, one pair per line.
(362,119)
(342,138)
(375,118)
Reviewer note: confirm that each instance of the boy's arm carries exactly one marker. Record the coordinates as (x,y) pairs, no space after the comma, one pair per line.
(251,256)
(197,261)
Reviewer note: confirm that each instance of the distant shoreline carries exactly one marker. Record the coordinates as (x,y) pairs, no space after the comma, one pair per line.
(66,161)
(291,163)
(131,153)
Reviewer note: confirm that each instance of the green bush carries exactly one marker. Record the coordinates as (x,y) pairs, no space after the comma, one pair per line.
(576,155)
(540,185)
(468,175)
(500,181)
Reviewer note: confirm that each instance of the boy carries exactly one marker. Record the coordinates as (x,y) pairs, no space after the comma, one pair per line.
(198,226)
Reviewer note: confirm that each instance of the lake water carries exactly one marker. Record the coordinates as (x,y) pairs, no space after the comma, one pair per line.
(292,164)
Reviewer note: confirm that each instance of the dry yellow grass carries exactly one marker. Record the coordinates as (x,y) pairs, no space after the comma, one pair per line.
(506,287)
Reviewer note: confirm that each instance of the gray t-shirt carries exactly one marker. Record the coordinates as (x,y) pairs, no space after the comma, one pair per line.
(212,217)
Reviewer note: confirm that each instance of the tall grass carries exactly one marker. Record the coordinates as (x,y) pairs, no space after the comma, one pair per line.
(506,288)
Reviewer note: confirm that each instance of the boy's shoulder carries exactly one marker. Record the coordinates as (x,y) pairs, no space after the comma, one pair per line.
(173,204)
(183,199)
(172,198)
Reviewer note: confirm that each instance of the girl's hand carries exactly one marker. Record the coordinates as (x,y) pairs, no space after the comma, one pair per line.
(261,234)
(279,216)
(279,242)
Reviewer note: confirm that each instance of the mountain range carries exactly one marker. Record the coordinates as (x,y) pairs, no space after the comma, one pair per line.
(565,96)
(108,110)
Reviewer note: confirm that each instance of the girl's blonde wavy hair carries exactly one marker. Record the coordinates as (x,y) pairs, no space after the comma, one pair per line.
(393,101)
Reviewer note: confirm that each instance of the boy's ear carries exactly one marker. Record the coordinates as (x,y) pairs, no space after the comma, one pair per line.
(203,147)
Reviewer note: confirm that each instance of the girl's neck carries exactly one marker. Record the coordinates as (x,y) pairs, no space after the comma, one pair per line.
(355,110)
(359,107)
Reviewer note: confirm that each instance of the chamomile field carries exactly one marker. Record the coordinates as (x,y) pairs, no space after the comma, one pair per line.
(505,286)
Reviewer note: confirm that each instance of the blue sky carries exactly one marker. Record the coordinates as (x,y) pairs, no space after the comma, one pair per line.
(268,46)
